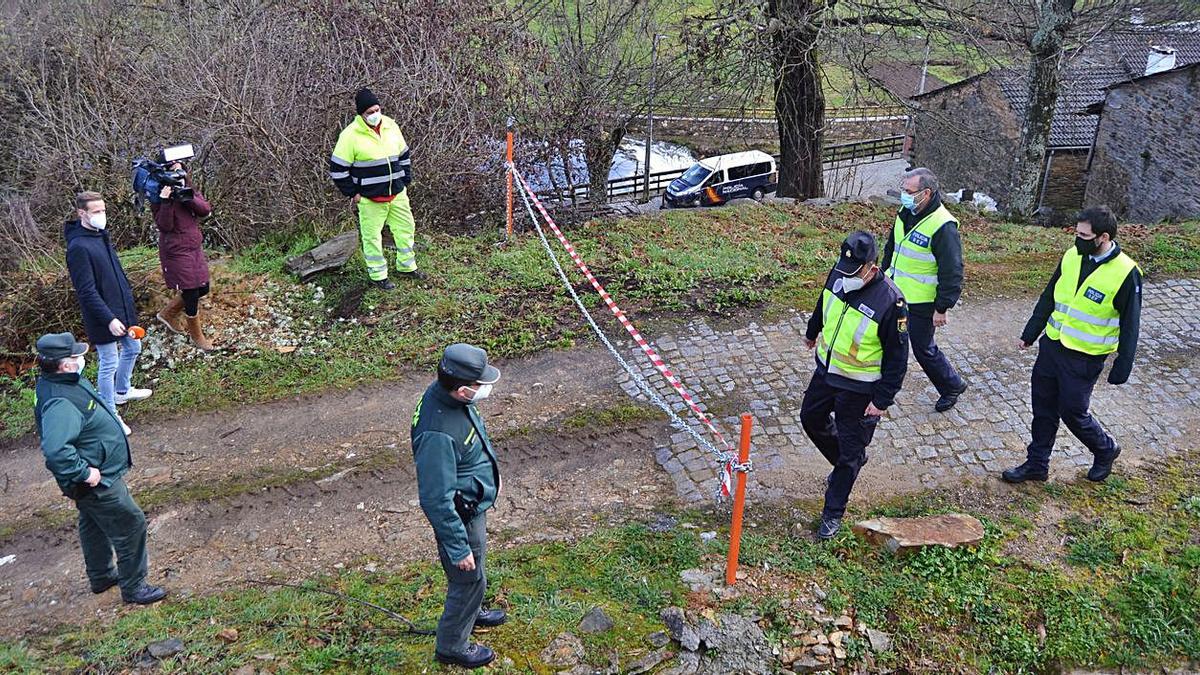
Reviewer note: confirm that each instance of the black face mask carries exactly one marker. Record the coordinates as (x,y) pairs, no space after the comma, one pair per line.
(1086,246)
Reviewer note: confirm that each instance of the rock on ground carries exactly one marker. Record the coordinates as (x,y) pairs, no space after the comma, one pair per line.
(165,649)
(905,535)
(728,644)
(595,621)
(564,651)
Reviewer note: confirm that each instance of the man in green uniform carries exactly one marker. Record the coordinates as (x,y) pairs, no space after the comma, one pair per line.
(458,479)
(88,453)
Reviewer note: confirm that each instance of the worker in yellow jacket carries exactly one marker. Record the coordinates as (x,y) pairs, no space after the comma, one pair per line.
(372,165)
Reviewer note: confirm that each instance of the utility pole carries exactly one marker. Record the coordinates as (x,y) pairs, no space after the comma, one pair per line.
(650,115)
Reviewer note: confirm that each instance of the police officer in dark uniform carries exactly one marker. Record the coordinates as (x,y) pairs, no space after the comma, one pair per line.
(860,332)
(458,479)
(1090,309)
(87,451)
(923,256)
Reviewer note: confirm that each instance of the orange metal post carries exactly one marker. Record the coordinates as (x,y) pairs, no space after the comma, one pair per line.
(739,504)
(509,156)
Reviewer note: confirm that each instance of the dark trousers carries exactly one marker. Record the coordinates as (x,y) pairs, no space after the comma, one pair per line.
(110,521)
(835,421)
(191,299)
(1062,386)
(920,335)
(464,591)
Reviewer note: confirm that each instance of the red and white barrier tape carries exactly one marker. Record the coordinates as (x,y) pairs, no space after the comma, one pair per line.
(728,458)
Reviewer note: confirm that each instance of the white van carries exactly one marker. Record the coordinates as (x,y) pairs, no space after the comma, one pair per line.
(716,180)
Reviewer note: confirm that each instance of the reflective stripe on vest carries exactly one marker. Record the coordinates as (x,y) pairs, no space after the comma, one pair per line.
(1084,318)
(379,163)
(856,355)
(913,267)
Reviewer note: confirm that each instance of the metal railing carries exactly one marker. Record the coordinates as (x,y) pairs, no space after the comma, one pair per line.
(858,112)
(871,149)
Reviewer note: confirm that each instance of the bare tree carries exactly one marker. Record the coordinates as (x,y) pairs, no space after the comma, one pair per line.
(591,77)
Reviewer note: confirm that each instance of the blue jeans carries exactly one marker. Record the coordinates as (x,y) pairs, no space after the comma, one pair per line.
(116,367)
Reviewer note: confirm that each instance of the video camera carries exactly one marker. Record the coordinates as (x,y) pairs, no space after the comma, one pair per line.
(149,176)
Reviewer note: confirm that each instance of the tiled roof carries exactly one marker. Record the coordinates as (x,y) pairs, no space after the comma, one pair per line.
(1080,87)
(1116,57)
(903,79)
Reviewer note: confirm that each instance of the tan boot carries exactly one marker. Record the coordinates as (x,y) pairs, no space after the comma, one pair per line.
(171,316)
(197,333)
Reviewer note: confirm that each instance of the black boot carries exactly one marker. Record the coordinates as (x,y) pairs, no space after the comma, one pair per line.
(1101,468)
(947,402)
(475,656)
(106,584)
(1020,474)
(829,528)
(145,595)
(489,618)
(385,284)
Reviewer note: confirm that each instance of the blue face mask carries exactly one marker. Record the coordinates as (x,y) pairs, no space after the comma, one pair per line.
(908,201)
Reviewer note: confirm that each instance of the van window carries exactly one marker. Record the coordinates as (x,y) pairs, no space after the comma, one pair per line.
(748,170)
(695,175)
(717,177)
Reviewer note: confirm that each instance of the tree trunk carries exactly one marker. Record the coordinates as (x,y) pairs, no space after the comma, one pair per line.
(1046,50)
(599,147)
(799,99)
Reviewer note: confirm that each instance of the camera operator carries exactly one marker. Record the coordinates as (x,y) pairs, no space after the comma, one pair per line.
(177,214)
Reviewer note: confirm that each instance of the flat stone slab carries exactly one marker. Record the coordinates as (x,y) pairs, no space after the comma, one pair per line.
(905,535)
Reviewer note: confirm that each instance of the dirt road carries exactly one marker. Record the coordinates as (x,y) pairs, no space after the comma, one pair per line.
(311,485)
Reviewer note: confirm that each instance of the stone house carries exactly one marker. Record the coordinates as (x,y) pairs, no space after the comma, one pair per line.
(1145,162)
(969,132)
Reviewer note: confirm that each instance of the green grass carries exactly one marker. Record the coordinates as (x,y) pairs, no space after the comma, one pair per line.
(1134,605)
(508,300)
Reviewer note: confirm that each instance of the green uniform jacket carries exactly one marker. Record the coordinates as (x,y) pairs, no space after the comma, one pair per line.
(453,453)
(78,432)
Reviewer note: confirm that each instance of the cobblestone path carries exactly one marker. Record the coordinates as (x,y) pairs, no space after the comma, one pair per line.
(764,369)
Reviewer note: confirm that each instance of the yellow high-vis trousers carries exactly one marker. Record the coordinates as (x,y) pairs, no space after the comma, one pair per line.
(397,215)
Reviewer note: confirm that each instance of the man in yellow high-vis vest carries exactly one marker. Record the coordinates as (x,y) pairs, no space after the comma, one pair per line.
(372,165)
(860,333)
(924,257)
(1091,308)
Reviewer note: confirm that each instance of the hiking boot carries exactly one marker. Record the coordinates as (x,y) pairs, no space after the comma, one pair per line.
(171,316)
(134,394)
(145,595)
(415,275)
(1102,468)
(196,333)
(1025,472)
(108,583)
(490,618)
(947,402)
(384,284)
(474,656)
(829,528)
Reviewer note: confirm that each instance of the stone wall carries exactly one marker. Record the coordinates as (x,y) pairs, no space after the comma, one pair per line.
(967,135)
(1146,163)
(1067,182)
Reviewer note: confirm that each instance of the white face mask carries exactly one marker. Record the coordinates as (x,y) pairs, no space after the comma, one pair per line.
(80,362)
(374,118)
(484,391)
(97,221)
(851,284)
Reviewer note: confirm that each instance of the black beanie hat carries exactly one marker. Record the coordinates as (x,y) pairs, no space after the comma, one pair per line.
(364,99)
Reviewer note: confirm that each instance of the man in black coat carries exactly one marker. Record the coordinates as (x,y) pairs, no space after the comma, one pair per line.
(105,299)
